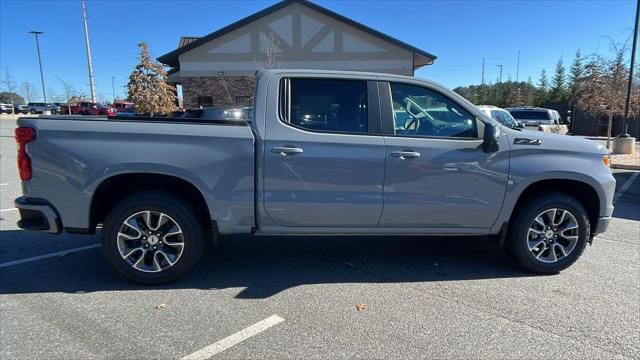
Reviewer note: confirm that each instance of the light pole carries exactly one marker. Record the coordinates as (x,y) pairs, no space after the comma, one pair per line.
(633,59)
(500,82)
(36,33)
(113,88)
(92,88)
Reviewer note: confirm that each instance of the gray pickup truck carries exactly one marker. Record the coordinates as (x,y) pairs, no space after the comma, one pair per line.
(326,153)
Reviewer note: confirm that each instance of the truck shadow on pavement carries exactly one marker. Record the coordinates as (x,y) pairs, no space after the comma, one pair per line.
(265,266)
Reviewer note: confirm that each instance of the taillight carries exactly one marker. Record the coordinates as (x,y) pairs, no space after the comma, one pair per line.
(23,136)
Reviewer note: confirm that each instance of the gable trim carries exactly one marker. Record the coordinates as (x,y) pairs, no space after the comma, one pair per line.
(171,58)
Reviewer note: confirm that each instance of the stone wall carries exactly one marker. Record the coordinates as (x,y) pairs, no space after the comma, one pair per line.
(224,90)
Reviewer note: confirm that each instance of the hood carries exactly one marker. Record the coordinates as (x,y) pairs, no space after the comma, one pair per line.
(550,141)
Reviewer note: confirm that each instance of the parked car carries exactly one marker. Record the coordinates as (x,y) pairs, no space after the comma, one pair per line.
(39,108)
(82,107)
(126,112)
(20,109)
(64,108)
(100,109)
(500,114)
(121,105)
(541,119)
(6,109)
(326,153)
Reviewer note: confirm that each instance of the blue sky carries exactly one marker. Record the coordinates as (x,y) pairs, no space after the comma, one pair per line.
(460,33)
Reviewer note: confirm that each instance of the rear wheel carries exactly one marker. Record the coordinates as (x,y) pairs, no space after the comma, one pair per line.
(548,233)
(152,238)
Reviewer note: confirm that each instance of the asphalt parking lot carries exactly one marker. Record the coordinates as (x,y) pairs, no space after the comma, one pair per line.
(272,297)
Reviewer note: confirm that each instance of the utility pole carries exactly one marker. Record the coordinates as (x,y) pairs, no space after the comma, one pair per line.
(500,83)
(634,45)
(482,83)
(518,66)
(86,42)
(113,88)
(36,33)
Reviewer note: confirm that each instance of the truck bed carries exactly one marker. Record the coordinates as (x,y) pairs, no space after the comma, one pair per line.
(73,156)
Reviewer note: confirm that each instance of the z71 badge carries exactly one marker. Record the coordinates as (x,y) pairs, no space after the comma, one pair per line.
(525,141)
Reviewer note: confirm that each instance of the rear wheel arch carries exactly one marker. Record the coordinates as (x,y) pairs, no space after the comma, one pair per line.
(115,188)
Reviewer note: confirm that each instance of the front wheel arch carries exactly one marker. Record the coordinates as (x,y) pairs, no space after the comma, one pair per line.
(584,193)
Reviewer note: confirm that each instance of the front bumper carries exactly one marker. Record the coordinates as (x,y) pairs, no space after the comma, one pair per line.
(601,225)
(38,215)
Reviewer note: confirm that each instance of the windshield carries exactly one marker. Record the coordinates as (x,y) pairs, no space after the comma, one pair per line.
(530,115)
(504,117)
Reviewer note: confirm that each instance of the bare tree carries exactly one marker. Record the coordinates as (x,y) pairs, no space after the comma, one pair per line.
(28,91)
(68,93)
(270,48)
(9,84)
(605,83)
(53,95)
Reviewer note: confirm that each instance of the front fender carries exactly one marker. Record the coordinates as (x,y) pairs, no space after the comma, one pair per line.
(532,166)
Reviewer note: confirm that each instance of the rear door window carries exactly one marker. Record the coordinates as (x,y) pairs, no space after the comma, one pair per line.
(530,115)
(325,105)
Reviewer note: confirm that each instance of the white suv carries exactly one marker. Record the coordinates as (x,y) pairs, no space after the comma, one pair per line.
(500,114)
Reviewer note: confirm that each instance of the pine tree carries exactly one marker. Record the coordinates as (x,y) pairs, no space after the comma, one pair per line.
(558,91)
(542,93)
(148,88)
(576,76)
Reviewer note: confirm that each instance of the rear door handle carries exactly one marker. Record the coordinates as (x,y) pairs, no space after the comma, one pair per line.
(406,154)
(286,150)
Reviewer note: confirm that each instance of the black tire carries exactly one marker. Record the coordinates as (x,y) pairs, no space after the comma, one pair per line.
(518,236)
(32,111)
(179,210)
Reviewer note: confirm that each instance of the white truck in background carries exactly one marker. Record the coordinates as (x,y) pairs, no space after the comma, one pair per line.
(541,119)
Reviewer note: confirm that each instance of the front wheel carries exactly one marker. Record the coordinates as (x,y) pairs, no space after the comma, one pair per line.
(548,233)
(32,111)
(152,238)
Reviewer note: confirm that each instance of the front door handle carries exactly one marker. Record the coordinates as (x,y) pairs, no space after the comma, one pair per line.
(406,154)
(286,150)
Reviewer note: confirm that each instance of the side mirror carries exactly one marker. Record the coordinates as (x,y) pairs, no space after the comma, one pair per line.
(520,124)
(490,139)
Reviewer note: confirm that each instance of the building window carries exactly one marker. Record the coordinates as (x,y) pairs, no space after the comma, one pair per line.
(243,101)
(205,101)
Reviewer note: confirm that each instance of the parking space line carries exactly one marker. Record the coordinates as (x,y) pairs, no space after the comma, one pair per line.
(625,186)
(4,184)
(46,256)
(235,339)
(11,209)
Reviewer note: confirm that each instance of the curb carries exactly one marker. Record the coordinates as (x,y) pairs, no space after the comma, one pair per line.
(626,167)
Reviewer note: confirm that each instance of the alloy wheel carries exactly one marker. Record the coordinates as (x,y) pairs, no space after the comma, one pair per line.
(150,241)
(553,235)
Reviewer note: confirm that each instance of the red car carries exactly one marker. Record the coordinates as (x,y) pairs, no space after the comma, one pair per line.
(121,105)
(99,109)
